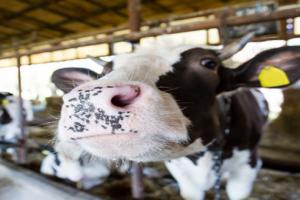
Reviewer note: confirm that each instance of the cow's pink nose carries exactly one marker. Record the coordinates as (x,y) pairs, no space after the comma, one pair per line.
(125,96)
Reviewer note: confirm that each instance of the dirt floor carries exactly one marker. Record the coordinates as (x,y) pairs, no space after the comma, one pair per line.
(159,185)
(270,185)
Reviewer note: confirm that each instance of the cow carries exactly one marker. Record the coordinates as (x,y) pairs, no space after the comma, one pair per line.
(180,105)
(5,118)
(10,131)
(87,173)
(82,170)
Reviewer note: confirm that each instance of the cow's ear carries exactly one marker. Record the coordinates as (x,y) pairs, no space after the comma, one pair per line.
(273,68)
(68,78)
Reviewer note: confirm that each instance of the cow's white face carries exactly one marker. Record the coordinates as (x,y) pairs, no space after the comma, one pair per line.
(124,112)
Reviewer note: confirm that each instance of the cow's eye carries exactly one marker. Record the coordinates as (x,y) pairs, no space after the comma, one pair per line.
(208,63)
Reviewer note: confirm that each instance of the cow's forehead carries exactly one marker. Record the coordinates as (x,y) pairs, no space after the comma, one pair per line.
(167,54)
(147,64)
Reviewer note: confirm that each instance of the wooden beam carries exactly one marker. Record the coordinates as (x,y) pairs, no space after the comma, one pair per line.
(61,13)
(110,49)
(124,26)
(264,17)
(134,15)
(26,10)
(98,3)
(33,20)
(214,23)
(159,7)
(78,18)
(71,18)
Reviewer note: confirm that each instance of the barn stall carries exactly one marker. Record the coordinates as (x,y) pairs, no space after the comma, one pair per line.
(39,37)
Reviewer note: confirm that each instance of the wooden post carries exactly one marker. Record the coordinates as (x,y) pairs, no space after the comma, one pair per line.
(110,48)
(137,186)
(134,15)
(223,27)
(22,149)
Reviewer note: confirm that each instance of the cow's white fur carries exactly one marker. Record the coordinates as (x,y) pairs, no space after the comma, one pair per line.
(89,174)
(261,101)
(67,169)
(241,175)
(194,180)
(161,123)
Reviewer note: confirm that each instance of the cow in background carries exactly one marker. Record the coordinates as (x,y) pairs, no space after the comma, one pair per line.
(85,171)
(5,118)
(10,131)
(180,105)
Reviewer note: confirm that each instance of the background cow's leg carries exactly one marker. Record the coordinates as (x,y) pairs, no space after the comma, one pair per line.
(194,177)
(240,181)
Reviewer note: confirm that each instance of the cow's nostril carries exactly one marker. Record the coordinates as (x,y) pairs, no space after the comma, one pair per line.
(119,101)
(126,96)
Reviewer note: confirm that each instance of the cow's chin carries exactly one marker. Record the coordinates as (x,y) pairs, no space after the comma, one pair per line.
(139,149)
(129,146)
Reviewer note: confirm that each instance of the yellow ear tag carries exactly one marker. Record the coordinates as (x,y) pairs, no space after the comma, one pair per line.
(5,102)
(271,76)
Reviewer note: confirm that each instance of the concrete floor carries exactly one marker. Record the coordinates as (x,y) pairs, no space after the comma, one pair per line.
(19,184)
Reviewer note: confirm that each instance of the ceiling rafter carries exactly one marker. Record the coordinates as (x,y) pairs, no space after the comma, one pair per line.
(79,18)
(57,19)
(115,11)
(160,7)
(34,20)
(26,10)
(61,13)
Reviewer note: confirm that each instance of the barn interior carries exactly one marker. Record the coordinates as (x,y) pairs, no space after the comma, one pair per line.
(38,37)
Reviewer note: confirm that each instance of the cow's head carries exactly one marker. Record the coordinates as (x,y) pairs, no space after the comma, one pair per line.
(160,103)
(5,118)
(58,165)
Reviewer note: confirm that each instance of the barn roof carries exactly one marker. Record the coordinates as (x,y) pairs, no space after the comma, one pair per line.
(48,19)
(24,23)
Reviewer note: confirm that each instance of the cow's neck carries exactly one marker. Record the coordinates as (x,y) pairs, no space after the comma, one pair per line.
(205,122)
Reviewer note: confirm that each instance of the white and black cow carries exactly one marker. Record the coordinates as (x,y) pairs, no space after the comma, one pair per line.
(177,104)
(5,118)
(88,173)
(85,171)
(10,130)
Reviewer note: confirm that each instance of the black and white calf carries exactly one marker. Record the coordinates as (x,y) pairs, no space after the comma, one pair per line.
(88,173)
(4,115)
(79,169)
(9,117)
(177,104)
